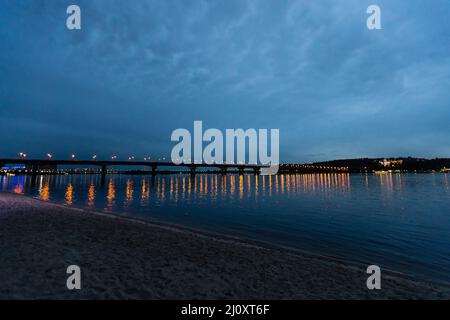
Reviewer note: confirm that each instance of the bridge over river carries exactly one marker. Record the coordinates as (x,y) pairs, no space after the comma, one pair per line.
(36,165)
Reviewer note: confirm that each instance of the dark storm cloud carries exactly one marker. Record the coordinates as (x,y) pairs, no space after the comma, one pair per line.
(138,70)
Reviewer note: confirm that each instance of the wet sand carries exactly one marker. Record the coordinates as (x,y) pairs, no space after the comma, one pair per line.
(126,259)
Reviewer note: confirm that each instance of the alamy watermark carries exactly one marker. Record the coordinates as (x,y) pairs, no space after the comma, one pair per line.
(235,147)
(374,280)
(74,280)
(73,21)
(374,20)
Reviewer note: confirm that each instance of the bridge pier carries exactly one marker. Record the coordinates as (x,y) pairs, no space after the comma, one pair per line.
(104,170)
(223,171)
(34,169)
(104,173)
(154,170)
(256,171)
(241,170)
(192,169)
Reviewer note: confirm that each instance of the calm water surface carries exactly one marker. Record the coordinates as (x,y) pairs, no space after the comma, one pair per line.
(397,221)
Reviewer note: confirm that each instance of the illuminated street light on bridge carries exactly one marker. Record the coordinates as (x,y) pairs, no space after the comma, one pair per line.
(73,156)
(49,155)
(113,157)
(131,158)
(22,155)
(94,157)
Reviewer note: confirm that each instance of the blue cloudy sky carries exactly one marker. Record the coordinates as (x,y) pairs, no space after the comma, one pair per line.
(139,69)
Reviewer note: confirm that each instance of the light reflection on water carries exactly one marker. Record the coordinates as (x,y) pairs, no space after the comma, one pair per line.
(401,221)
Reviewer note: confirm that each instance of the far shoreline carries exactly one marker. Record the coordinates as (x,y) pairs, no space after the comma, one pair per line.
(150,173)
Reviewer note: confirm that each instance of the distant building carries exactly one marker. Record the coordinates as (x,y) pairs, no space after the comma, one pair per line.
(391,163)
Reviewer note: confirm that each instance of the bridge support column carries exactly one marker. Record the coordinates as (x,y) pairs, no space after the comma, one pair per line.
(223,171)
(192,169)
(241,170)
(256,171)
(104,172)
(154,170)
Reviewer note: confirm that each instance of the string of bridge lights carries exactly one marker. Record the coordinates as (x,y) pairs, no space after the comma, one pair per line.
(49,156)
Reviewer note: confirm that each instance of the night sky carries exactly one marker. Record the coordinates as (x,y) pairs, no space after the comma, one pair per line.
(138,69)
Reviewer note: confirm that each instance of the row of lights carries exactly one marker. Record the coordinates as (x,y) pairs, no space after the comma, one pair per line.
(94,157)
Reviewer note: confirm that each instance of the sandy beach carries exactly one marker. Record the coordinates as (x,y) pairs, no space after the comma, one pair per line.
(125,259)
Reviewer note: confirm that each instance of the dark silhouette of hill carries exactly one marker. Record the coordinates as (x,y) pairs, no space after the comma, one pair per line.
(407,164)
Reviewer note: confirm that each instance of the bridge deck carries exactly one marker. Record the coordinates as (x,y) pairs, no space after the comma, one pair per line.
(103,163)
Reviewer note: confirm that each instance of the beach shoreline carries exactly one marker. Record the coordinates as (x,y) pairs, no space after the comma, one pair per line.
(123,258)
